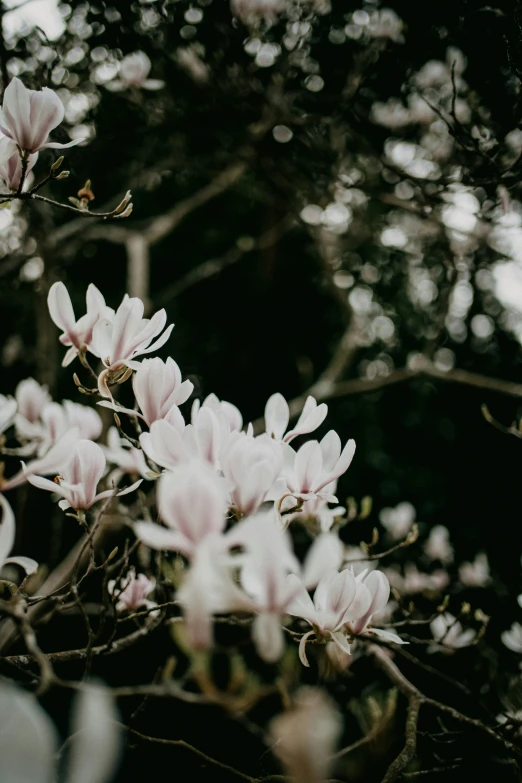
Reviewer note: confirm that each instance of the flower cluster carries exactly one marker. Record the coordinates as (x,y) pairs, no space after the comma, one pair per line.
(227,498)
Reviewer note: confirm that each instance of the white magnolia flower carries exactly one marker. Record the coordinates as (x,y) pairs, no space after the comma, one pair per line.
(76,333)
(158,390)
(120,339)
(251,465)
(475,574)
(251,12)
(132,591)
(438,545)
(277,416)
(398,521)
(8,407)
(31,398)
(26,119)
(80,478)
(11,169)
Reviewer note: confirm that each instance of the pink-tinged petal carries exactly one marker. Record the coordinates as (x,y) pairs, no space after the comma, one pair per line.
(301,604)
(7,530)
(341,641)
(326,552)
(277,416)
(55,145)
(70,356)
(159,342)
(60,308)
(92,464)
(308,466)
(379,587)
(302,649)
(345,459)
(161,538)
(126,323)
(164,445)
(192,500)
(388,636)
(183,392)
(357,611)
(7,150)
(310,419)
(267,636)
(95,300)
(101,343)
(331,450)
(29,565)
(53,462)
(208,435)
(16,119)
(47,484)
(46,112)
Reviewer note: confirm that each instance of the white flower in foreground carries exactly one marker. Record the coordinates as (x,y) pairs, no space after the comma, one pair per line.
(26,119)
(277,416)
(448,632)
(305,737)
(512,639)
(29,740)
(398,521)
(315,466)
(267,560)
(475,574)
(11,169)
(229,414)
(76,333)
(132,591)
(192,502)
(438,545)
(7,538)
(158,390)
(119,340)
(79,482)
(134,70)
(252,465)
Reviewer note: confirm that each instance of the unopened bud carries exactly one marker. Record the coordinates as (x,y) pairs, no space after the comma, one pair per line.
(366,507)
(126,213)
(112,554)
(57,163)
(465,608)
(117,420)
(77,380)
(123,203)
(63,175)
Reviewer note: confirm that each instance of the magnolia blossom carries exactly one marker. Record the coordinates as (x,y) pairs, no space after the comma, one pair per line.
(134,70)
(76,333)
(171,444)
(51,462)
(192,503)
(252,465)
(513,638)
(118,340)
(29,742)
(267,561)
(158,390)
(438,545)
(55,420)
(7,538)
(132,591)
(448,631)
(475,574)
(31,399)
(310,470)
(80,478)
(305,737)
(398,521)
(228,414)
(26,119)
(343,605)
(11,169)
(277,416)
